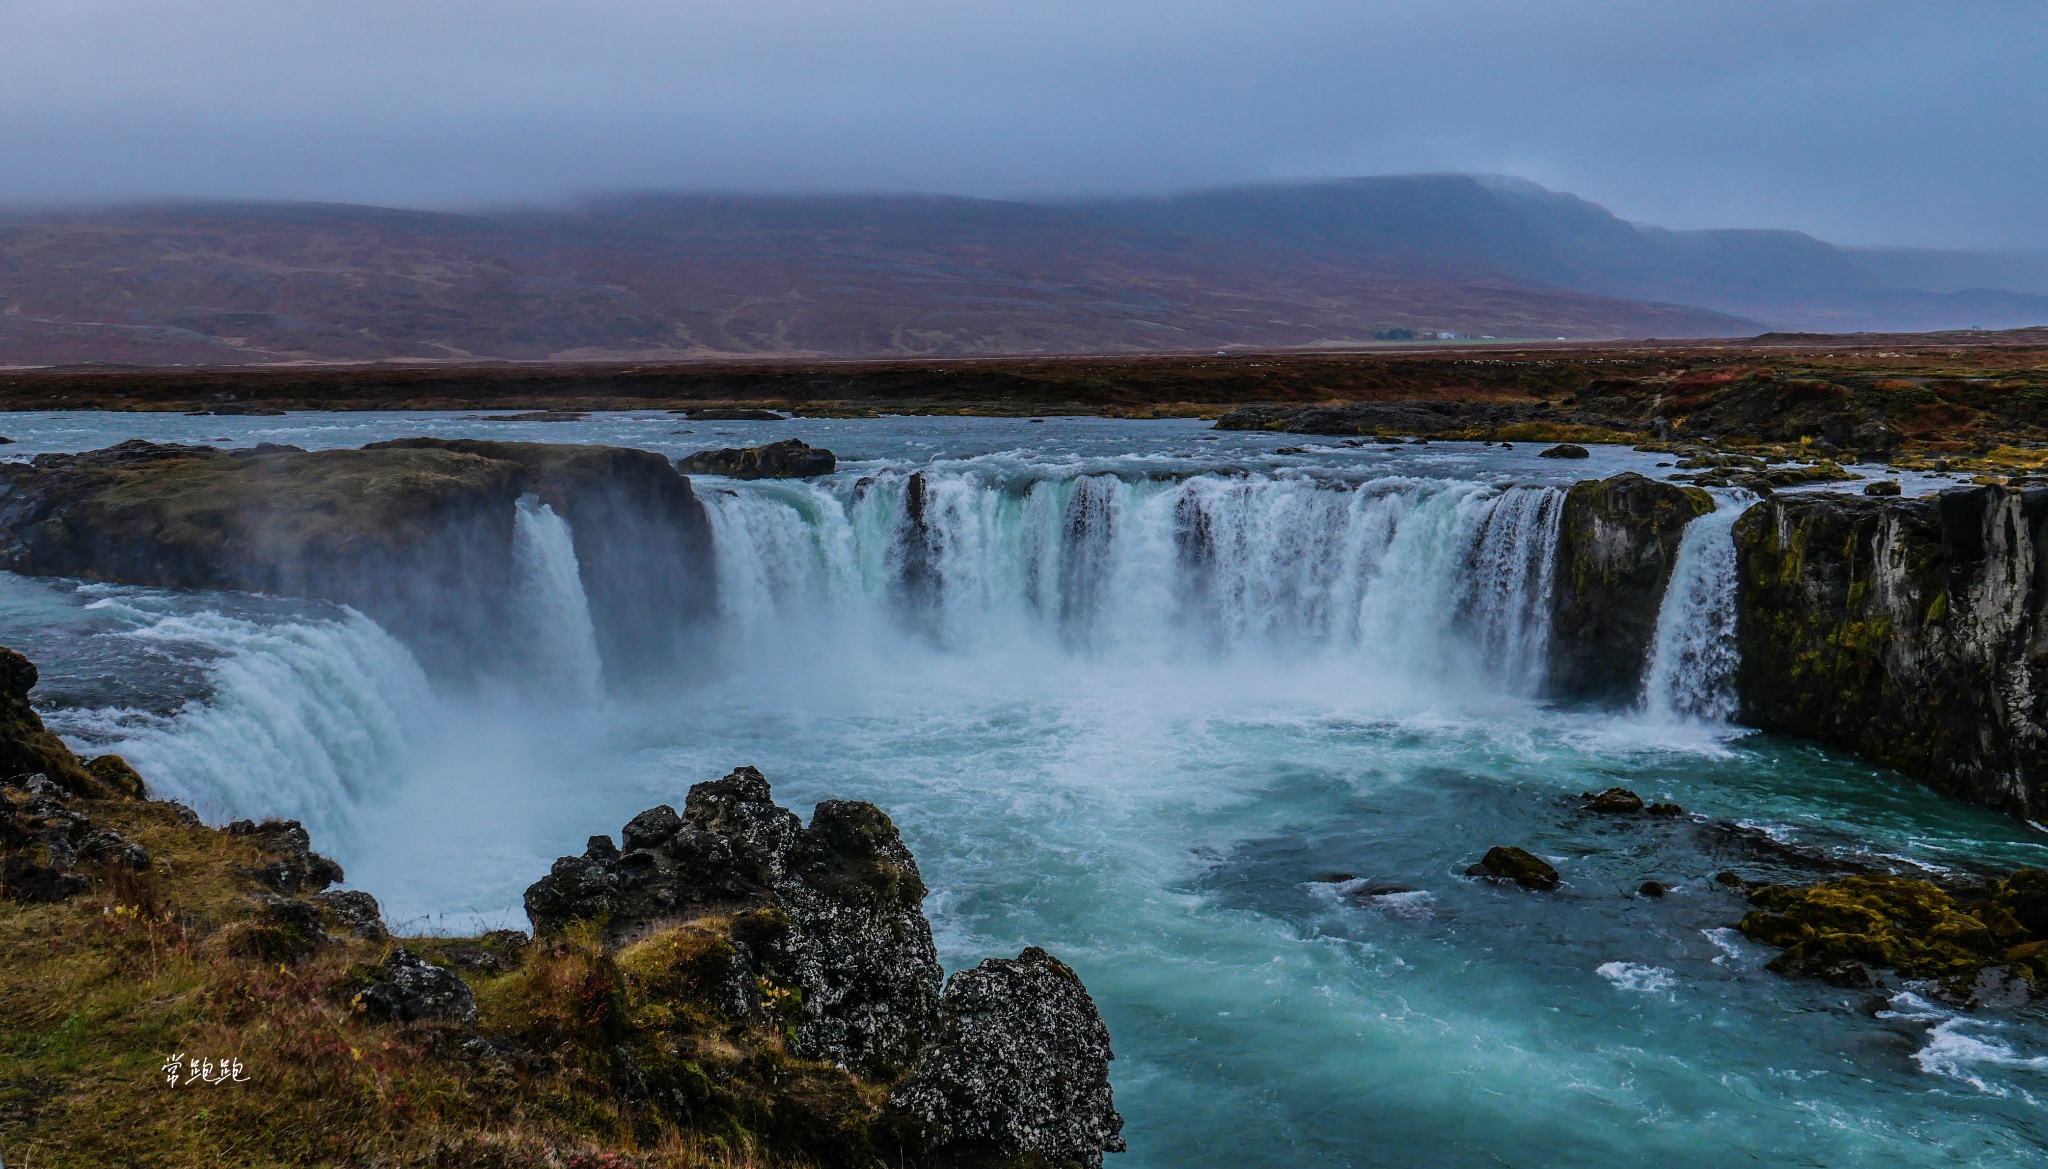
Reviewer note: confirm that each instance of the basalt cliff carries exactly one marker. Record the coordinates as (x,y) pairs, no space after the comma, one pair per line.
(732,987)
(1910,631)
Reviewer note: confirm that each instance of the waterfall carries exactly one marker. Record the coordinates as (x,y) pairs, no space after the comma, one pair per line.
(1407,576)
(306,718)
(558,641)
(1691,668)
(1507,591)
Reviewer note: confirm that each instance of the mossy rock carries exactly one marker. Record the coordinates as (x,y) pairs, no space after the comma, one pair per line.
(1524,868)
(117,777)
(1615,801)
(1840,930)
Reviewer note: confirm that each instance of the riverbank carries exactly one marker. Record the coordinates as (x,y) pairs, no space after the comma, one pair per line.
(1937,393)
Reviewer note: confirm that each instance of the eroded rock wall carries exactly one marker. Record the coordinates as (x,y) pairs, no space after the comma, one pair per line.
(1907,630)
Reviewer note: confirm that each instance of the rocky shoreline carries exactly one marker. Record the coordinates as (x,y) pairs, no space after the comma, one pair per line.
(730,983)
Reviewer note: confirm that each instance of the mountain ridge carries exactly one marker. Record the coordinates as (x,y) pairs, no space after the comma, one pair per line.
(682,276)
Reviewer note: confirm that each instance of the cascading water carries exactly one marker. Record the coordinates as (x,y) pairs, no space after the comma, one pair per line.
(1692,662)
(305,720)
(556,634)
(1412,575)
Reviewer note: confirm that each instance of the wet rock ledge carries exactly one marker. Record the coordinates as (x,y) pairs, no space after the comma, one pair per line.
(725,985)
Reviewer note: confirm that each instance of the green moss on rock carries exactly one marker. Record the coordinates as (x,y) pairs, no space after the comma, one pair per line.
(1843,930)
(1904,630)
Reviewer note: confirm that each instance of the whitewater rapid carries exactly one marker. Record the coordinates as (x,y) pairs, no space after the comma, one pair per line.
(1130,692)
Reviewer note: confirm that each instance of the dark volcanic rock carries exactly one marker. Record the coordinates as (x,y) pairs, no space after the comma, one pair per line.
(1617,543)
(1565,450)
(410,989)
(1613,801)
(856,943)
(24,880)
(26,746)
(285,929)
(1508,863)
(1908,630)
(294,867)
(355,911)
(111,848)
(1018,1071)
(788,459)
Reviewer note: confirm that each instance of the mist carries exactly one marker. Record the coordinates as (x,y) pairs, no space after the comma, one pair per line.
(1864,123)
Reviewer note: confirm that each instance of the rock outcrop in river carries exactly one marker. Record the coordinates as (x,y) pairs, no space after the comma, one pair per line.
(1616,546)
(1910,631)
(821,926)
(789,459)
(417,533)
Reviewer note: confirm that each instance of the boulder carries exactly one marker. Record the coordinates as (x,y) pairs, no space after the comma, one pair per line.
(1846,930)
(107,847)
(1565,450)
(116,777)
(355,911)
(852,936)
(1017,1071)
(788,459)
(42,836)
(293,866)
(284,929)
(1524,868)
(410,989)
(1617,543)
(1613,801)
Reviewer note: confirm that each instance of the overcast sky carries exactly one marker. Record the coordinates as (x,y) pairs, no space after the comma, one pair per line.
(1863,122)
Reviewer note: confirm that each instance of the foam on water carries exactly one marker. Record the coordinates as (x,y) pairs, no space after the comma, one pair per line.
(1634,976)
(306,719)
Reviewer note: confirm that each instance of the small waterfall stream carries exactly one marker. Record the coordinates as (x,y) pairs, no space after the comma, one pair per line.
(557,637)
(1691,669)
